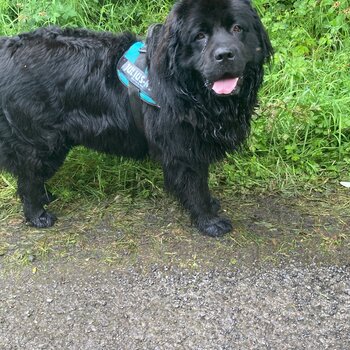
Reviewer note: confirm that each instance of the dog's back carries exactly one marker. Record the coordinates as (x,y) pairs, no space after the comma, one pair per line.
(58,88)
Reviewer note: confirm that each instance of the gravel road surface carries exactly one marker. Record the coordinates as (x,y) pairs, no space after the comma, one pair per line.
(89,307)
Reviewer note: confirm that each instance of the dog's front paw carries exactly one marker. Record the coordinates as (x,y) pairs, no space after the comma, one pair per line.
(214,227)
(45,220)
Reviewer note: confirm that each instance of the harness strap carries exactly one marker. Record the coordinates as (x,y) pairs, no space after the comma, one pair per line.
(134,96)
(132,72)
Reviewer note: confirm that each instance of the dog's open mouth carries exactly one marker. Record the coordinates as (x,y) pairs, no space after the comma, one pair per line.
(226,86)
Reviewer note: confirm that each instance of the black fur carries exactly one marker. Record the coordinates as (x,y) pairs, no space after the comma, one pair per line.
(58,89)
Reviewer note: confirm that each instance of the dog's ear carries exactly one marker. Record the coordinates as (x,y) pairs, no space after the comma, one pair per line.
(152,37)
(168,44)
(152,40)
(266,44)
(266,47)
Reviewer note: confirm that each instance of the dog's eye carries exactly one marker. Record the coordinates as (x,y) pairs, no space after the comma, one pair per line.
(236,28)
(200,36)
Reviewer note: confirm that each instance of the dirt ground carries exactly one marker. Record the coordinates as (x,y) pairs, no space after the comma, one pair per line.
(121,274)
(267,228)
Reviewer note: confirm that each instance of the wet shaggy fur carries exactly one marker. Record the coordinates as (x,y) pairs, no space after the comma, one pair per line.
(59,89)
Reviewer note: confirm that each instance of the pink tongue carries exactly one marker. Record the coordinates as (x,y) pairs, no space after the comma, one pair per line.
(225,86)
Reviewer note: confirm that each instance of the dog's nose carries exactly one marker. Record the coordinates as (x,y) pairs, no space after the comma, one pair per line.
(224,54)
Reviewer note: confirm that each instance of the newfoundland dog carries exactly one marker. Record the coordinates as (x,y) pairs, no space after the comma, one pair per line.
(186,100)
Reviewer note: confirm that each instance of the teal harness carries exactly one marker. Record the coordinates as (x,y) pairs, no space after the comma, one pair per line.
(132,72)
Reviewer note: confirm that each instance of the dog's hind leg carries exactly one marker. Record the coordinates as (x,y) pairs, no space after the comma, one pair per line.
(32,193)
(31,188)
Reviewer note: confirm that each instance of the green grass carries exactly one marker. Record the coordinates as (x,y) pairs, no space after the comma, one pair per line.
(300,136)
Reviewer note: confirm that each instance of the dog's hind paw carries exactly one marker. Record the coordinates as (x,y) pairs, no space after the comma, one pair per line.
(214,227)
(45,220)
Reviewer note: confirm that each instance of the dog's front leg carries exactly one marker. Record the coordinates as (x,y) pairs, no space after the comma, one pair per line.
(189,183)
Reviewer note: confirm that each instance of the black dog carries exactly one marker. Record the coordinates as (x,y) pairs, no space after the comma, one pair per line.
(59,88)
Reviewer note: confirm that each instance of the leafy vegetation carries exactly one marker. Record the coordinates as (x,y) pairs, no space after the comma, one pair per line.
(300,136)
(303,133)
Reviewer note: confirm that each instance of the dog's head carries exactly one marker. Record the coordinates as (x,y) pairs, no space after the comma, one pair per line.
(212,41)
